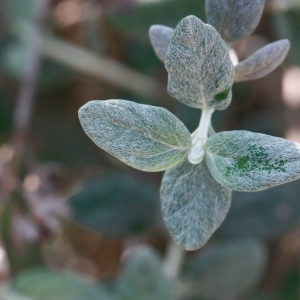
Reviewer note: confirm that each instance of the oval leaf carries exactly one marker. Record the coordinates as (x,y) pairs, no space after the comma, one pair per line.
(142,277)
(226,270)
(234,19)
(263,61)
(200,70)
(247,161)
(193,204)
(160,37)
(145,137)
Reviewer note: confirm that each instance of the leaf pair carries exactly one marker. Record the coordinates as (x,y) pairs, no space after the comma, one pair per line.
(237,19)
(152,139)
(234,20)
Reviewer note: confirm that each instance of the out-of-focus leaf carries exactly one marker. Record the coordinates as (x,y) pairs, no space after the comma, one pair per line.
(12,295)
(266,214)
(286,25)
(43,284)
(136,23)
(145,137)
(234,19)
(142,278)
(193,204)
(290,286)
(160,37)
(226,270)
(117,205)
(200,71)
(262,62)
(247,161)
(16,10)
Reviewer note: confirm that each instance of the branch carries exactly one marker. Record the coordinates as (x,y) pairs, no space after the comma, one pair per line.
(101,67)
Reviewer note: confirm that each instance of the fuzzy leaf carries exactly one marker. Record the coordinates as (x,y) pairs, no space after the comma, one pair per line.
(247,161)
(160,37)
(234,19)
(142,278)
(193,204)
(145,137)
(263,61)
(200,70)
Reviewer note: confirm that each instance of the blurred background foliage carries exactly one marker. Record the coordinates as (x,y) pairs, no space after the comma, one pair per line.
(78,224)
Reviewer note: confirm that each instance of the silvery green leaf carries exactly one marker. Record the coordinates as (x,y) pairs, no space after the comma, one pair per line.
(234,19)
(263,61)
(142,277)
(160,37)
(193,204)
(145,137)
(226,270)
(201,73)
(247,161)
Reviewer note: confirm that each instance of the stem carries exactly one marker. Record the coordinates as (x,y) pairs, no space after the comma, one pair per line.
(199,137)
(233,56)
(173,261)
(205,121)
(101,67)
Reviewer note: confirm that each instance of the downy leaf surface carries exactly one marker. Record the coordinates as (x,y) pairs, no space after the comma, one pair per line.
(263,61)
(247,161)
(145,137)
(234,19)
(201,73)
(193,204)
(160,37)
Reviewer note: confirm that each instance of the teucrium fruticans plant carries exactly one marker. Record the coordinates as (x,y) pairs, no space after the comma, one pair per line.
(202,167)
